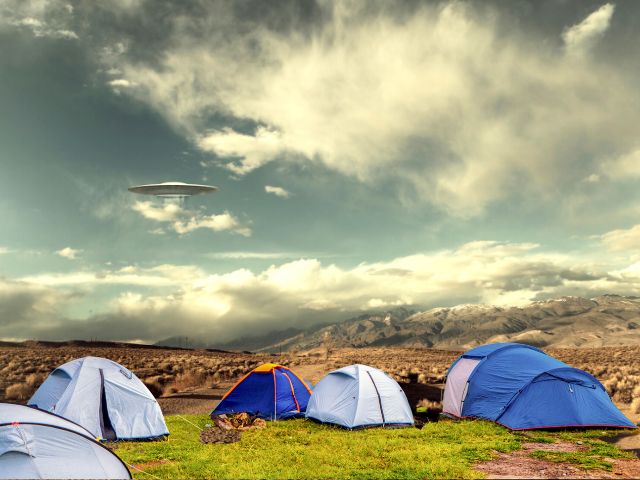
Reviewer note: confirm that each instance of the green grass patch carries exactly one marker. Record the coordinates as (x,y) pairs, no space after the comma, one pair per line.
(303,449)
(597,454)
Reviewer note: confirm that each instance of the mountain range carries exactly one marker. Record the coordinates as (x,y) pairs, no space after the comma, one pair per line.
(605,320)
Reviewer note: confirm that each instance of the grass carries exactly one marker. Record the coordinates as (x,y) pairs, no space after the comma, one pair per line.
(302,449)
(597,455)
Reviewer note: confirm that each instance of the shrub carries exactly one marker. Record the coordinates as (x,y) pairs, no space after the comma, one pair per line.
(154,386)
(189,380)
(34,380)
(18,391)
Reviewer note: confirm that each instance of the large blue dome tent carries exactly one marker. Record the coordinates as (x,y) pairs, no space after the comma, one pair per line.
(522,388)
(270,391)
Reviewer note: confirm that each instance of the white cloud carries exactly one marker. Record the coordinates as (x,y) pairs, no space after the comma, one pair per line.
(302,292)
(623,240)
(251,151)
(121,82)
(581,37)
(40,28)
(460,113)
(68,252)
(159,276)
(217,223)
(4,250)
(167,212)
(277,191)
(623,167)
(183,221)
(249,255)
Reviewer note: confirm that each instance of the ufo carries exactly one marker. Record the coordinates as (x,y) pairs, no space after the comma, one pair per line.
(173,189)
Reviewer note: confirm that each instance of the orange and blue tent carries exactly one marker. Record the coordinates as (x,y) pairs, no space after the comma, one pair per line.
(270,391)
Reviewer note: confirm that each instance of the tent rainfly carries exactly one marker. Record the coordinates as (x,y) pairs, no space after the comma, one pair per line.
(359,396)
(523,388)
(270,391)
(104,397)
(37,444)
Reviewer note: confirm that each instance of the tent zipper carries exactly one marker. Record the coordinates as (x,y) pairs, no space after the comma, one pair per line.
(379,399)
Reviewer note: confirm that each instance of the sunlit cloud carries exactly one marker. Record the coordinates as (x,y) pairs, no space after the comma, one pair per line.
(277,191)
(623,240)
(580,38)
(222,306)
(457,111)
(68,252)
(183,221)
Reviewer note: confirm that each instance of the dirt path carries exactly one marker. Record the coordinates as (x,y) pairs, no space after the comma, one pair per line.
(520,464)
(198,401)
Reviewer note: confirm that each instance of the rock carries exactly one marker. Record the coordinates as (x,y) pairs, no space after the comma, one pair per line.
(218,435)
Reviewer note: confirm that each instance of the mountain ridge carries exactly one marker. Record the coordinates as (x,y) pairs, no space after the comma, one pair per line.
(567,321)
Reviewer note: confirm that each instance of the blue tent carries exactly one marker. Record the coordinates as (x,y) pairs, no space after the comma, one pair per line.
(359,396)
(269,391)
(522,388)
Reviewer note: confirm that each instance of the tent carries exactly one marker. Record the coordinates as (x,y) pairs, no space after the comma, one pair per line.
(37,444)
(359,396)
(522,388)
(270,391)
(104,397)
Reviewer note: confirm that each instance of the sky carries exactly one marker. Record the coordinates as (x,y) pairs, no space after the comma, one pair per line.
(368,155)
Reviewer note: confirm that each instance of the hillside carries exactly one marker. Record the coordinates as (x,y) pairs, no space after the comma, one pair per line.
(606,320)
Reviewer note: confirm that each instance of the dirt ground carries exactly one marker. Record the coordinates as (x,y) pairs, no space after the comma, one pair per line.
(520,465)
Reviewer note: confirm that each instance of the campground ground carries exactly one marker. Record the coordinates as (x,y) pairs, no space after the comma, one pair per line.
(191,383)
(443,449)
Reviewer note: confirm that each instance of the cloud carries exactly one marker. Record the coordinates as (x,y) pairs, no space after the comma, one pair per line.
(121,82)
(581,37)
(622,240)
(155,277)
(623,167)
(183,221)
(26,307)
(277,191)
(42,18)
(444,102)
(252,151)
(4,250)
(249,255)
(68,252)
(222,306)
(166,212)
(217,223)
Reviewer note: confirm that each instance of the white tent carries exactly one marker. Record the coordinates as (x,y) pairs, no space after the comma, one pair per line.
(104,397)
(359,396)
(37,444)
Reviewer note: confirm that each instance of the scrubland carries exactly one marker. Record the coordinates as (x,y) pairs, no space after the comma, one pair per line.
(302,449)
(169,371)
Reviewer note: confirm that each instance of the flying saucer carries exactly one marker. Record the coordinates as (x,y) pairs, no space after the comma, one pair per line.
(173,189)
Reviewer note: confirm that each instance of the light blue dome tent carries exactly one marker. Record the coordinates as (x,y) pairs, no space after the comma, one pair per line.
(359,396)
(37,444)
(104,397)
(522,388)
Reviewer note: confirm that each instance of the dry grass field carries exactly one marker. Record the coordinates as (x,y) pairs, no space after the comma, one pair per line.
(174,374)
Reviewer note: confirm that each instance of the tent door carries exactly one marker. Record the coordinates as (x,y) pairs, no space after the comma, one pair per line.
(456,388)
(379,399)
(108,433)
